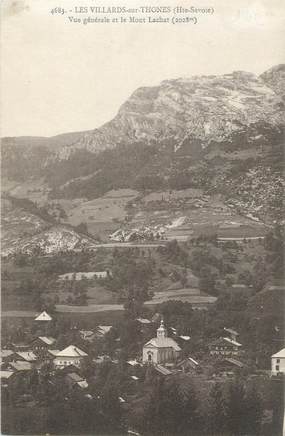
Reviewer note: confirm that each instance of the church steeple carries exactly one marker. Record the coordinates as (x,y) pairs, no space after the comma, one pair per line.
(161,331)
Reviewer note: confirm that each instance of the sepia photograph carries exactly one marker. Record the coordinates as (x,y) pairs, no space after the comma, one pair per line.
(142,218)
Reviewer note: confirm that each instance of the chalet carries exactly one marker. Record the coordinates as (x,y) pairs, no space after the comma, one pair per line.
(224,347)
(20,366)
(233,334)
(188,365)
(6,355)
(278,363)
(19,346)
(76,381)
(103,330)
(228,364)
(71,355)
(6,377)
(24,356)
(41,344)
(161,349)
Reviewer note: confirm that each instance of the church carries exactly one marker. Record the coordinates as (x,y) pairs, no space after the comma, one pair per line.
(161,349)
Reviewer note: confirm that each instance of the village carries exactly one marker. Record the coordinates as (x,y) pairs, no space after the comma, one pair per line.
(39,368)
(193,329)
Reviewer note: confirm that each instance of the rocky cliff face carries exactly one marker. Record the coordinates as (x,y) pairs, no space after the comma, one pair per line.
(208,132)
(207,108)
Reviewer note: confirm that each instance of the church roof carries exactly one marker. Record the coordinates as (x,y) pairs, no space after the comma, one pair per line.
(163,342)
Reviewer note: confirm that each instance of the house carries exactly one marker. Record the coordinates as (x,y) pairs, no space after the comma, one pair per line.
(278,362)
(228,364)
(43,317)
(103,330)
(51,354)
(143,321)
(188,365)
(24,356)
(20,366)
(84,275)
(224,347)
(233,334)
(161,349)
(71,355)
(19,346)
(41,344)
(6,377)
(64,370)
(102,358)
(6,355)
(87,335)
(74,381)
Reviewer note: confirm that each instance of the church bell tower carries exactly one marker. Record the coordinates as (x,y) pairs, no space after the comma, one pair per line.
(161,331)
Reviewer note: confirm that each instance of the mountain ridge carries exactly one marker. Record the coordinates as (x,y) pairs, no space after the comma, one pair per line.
(208,132)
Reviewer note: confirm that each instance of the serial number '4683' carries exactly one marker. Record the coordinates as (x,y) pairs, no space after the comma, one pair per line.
(58,10)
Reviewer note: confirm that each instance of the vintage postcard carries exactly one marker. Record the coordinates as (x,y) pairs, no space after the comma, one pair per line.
(142,220)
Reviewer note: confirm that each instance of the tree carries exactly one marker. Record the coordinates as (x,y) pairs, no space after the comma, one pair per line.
(207,282)
(253,415)
(217,412)
(235,408)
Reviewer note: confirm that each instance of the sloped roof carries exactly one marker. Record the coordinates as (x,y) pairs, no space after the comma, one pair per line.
(280,353)
(75,377)
(193,363)
(104,329)
(143,320)
(83,384)
(163,343)
(44,316)
(231,331)
(6,353)
(133,362)
(71,351)
(54,352)
(6,374)
(28,356)
(21,366)
(237,344)
(234,362)
(134,377)
(121,400)
(47,340)
(162,370)
(86,334)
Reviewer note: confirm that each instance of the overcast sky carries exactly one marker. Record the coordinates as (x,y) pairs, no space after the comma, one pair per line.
(60,77)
